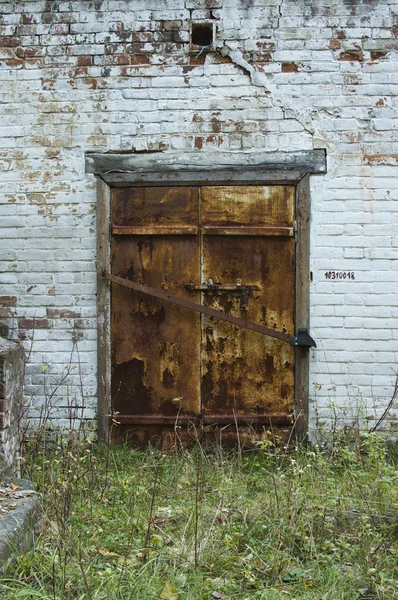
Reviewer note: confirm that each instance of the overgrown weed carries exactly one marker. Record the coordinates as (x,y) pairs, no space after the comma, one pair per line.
(304,523)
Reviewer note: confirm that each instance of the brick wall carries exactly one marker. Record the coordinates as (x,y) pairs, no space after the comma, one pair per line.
(115,75)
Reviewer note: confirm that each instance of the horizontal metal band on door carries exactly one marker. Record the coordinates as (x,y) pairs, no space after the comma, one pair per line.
(257,230)
(155,230)
(207,420)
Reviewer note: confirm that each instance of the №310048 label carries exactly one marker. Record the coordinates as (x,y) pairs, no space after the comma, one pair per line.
(339,275)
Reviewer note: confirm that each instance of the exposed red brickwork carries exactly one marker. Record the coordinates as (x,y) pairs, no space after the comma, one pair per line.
(289,67)
(335,44)
(351,55)
(33,323)
(8,300)
(55,313)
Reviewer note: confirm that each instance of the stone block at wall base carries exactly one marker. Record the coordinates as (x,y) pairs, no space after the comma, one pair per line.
(11,398)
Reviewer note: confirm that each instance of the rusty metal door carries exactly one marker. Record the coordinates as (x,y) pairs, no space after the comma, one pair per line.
(230,249)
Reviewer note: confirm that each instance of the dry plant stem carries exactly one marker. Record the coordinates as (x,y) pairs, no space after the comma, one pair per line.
(130,540)
(359,489)
(197,499)
(237,430)
(272,433)
(83,572)
(81,387)
(153,496)
(32,339)
(177,437)
(53,581)
(276,494)
(107,457)
(289,440)
(390,404)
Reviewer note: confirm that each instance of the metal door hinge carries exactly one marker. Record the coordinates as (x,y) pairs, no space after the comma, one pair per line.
(303,338)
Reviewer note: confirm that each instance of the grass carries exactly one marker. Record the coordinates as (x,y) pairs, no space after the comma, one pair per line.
(126,524)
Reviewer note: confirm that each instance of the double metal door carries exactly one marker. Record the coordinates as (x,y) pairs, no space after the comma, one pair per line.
(226,248)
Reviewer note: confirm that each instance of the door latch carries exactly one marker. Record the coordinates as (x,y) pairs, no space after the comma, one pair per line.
(209,287)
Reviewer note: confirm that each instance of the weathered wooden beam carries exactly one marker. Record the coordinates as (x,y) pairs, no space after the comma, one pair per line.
(302,317)
(104,311)
(202,167)
(206,177)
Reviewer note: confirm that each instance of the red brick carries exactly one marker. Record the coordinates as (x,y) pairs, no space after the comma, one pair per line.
(351,55)
(8,300)
(25,323)
(84,61)
(377,54)
(10,42)
(334,44)
(289,67)
(139,59)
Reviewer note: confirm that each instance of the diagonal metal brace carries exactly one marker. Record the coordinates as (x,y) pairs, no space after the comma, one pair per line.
(298,340)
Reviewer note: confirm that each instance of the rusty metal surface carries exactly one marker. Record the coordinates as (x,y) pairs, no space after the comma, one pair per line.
(169,363)
(247,230)
(269,419)
(178,301)
(155,346)
(245,436)
(213,288)
(244,372)
(155,207)
(154,230)
(254,206)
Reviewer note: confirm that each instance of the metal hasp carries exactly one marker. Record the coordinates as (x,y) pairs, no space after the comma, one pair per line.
(210,286)
(303,338)
(243,291)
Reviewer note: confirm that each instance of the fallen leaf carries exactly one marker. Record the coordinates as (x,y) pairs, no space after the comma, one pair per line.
(14,485)
(169,592)
(222,517)
(106,552)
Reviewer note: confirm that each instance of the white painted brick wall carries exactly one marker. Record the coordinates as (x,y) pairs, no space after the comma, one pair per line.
(83,76)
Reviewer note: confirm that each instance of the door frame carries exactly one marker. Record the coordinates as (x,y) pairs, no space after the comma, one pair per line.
(200,169)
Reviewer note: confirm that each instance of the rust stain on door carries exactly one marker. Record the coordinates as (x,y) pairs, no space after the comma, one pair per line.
(245,372)
(169,362)
(155,346)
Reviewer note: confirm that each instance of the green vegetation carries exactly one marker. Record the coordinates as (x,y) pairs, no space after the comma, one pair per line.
(123,524)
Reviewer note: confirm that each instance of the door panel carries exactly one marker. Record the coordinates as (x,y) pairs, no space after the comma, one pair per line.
(245,372)
(250,205)
(155,206)
(155,345)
